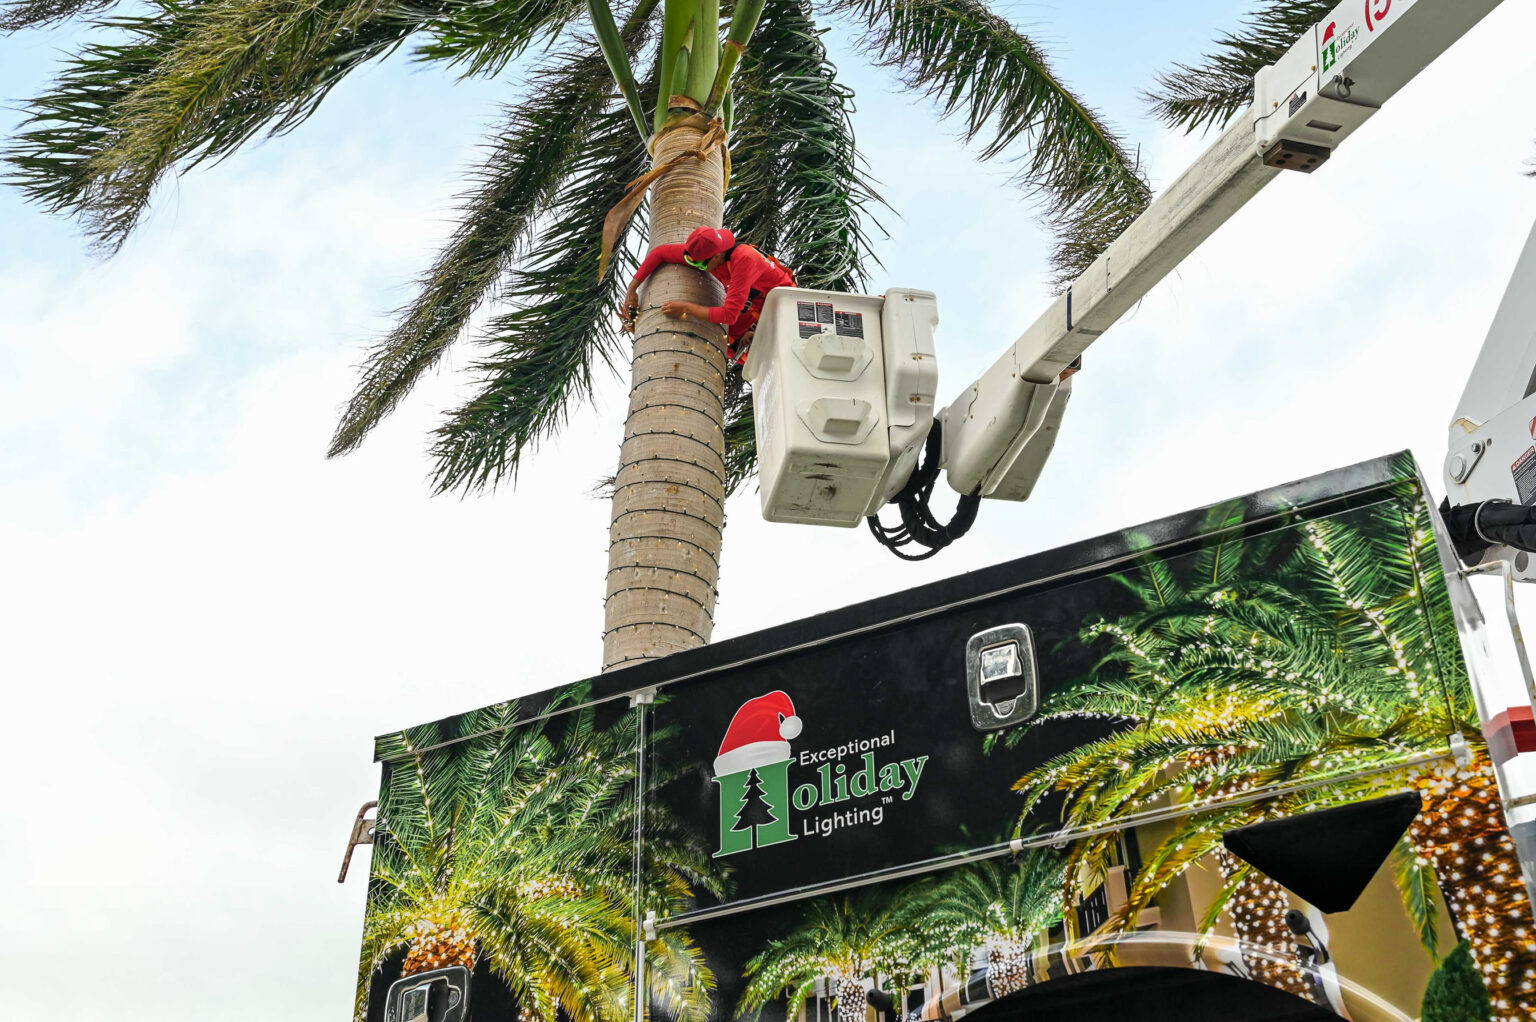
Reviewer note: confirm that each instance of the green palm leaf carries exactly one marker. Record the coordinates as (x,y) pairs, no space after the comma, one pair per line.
(517,835)
(1418,885)
(1238,675)
(801,192)
(1206,95)
(20,14)
(563,320)
(539,144)
(978,66)
(740,432)
(1221,557)
(196,80)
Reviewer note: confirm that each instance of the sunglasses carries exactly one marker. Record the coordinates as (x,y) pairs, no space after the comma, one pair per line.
(695,263)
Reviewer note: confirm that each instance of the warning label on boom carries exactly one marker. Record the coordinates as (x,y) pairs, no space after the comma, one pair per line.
(823,312)
(806,311)
(1524,469)
(850,324)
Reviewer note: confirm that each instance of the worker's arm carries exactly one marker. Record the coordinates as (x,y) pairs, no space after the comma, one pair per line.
(746,267)
(659,255)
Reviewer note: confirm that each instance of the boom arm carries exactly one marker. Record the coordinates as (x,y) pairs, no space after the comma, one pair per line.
(998,433)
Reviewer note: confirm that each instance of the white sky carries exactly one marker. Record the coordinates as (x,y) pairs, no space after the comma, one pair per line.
(203,623)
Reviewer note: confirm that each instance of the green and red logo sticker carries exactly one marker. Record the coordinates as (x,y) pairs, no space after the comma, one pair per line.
(1337,43)
(759,806)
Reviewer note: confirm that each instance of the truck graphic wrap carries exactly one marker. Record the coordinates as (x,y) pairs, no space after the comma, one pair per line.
(1255,786)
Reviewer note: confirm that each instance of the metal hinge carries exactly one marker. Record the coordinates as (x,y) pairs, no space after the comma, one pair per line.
(362,834)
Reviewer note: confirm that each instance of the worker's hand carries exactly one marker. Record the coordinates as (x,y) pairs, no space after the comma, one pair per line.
(683,310)
(630,311)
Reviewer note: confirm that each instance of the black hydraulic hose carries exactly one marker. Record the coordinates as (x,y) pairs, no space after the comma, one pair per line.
(918,525)
(1488,523)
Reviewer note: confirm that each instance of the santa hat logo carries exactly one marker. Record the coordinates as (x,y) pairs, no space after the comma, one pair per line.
(759,734)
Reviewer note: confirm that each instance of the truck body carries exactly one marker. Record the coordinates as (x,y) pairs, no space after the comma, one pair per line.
(1229,764)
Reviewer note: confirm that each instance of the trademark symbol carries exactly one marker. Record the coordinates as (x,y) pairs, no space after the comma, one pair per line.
(886,800)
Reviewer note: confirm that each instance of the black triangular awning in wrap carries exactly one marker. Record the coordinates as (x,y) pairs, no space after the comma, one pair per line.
(1327,856)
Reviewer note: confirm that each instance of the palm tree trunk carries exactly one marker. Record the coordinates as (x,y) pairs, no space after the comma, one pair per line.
(1461,832)
(1007,966)
(669,494)
(1258,915)
(439,944)
(1257,909)
(852,1006)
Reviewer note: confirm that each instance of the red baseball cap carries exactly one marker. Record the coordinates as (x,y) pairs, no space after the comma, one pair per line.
(707,242)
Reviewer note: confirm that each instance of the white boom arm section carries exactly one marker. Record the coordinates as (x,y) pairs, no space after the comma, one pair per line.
(1491,449)
(998,433)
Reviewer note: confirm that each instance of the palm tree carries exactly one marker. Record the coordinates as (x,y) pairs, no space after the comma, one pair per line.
(848,939)
(1000,906)
(1239,676)
(189,81)
(510,843)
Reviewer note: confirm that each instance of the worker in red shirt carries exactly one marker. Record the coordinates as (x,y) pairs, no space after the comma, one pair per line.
(748,276)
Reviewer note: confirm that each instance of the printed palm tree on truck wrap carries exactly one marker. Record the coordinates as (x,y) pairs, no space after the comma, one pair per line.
(163,88)
(514,847)
(999,905)
(892,936)
(1245,673)
(849,938)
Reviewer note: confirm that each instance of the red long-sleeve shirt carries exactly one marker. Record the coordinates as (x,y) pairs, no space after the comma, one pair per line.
(747,270)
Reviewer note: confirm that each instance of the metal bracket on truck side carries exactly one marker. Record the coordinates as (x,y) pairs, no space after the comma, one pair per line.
(362,834)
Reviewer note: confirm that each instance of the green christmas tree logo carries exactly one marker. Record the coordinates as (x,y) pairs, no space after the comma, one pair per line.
(752,771)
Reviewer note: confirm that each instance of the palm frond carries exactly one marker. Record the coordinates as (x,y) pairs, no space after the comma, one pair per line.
(1206,95)
(483,38)
(1417,883)
(848,936)
(740,432)
(1218,561)
(1157,573)
(977,65)
(800,191)
(195,80)
(20,14)
(529,157)
(518,834)
(1251,665)
(563,321)
(1218,905)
